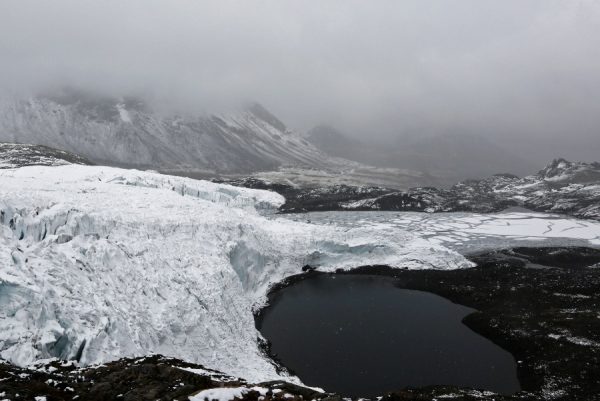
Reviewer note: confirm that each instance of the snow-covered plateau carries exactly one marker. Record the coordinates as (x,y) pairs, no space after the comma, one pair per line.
(98,263)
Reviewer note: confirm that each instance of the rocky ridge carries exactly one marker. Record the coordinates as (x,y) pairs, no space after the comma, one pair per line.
(13,155)
(571,188)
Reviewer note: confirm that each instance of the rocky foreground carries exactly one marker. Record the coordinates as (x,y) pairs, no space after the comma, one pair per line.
(541,304)
(571,188)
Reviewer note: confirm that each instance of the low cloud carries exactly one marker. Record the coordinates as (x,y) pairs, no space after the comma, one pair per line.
(508,69)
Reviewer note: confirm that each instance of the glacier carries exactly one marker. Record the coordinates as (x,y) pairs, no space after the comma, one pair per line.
(99,263)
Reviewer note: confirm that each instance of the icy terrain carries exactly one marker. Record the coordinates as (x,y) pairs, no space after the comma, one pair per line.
(471,232)
(97,263)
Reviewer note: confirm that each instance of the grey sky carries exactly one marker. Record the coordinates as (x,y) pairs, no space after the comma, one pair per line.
(503,67)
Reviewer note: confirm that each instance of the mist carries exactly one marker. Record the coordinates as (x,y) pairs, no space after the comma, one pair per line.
(523,72)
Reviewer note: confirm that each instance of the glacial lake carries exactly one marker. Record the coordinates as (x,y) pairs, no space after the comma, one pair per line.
(361,336)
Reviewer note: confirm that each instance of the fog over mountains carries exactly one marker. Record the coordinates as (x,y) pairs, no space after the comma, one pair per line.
(522,74)
(126,131)
(450,157)
(129,132)
(133,132)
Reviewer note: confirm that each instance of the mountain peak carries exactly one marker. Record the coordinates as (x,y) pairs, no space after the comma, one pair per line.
(122,131)
(262,113)
(564,171)
(555,168)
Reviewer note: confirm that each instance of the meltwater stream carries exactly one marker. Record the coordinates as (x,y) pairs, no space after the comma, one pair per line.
(359,335)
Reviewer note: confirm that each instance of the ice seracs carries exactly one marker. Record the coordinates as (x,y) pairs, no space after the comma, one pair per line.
(98,263)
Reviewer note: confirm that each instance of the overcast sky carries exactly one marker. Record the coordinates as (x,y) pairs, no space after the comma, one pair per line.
(502,67)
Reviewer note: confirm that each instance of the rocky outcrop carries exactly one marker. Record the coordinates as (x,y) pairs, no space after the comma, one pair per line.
(13,155)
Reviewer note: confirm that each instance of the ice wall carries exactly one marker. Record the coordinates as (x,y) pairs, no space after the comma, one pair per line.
(99,263)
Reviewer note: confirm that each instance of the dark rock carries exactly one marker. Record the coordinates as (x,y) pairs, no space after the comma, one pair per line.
(308,268)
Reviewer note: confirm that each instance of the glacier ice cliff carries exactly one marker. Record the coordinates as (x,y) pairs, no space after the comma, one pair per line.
(97,263)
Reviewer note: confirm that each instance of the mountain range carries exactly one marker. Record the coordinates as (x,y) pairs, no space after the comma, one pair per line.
(128,132)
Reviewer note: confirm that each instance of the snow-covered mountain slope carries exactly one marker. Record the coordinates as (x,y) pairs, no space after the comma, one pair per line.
(14,155)
(127,132)
(97,263)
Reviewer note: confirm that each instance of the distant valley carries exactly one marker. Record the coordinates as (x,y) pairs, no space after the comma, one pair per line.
(449,157)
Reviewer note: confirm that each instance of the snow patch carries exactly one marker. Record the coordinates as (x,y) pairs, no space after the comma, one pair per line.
(123,113)
(220,394)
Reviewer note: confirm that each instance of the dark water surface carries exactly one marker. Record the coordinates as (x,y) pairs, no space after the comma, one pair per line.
(360,335)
